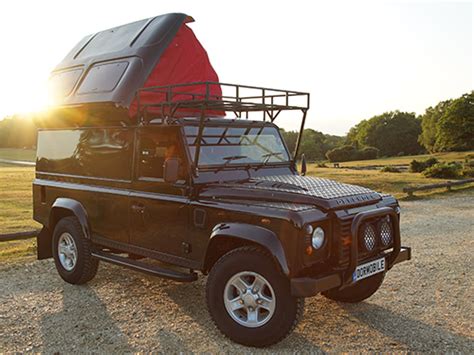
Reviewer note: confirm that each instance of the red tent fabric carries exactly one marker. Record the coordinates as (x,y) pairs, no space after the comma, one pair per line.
(184,61)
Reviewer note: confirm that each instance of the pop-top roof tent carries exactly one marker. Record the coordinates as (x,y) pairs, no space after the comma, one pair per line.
(107,68)
(156,66)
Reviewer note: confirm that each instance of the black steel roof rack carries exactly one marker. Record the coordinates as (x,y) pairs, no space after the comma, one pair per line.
(169,100)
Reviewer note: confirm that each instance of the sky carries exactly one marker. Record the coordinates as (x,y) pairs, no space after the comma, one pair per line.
(357,59)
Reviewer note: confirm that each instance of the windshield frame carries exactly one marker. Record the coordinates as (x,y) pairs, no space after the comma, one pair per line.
(235,164)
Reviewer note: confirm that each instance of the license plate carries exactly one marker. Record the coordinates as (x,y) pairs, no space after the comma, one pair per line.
(368,269)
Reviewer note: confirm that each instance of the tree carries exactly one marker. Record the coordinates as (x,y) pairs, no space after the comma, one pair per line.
(314,144)
(392,133)
(429,125)
(455,128)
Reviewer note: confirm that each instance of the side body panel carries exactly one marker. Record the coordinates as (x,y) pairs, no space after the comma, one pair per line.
(91,166)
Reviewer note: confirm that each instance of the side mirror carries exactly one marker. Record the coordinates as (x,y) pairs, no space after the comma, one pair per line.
(303,165)
(171,170)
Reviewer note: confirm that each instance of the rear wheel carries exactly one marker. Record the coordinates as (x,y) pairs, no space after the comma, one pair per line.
(72,252)
(358,292)
(249,298)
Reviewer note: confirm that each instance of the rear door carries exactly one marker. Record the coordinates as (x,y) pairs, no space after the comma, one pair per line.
(159,211)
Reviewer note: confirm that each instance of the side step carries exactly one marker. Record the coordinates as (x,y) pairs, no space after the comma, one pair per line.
(146,268)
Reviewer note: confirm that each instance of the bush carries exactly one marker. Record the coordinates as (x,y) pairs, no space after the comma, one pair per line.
(389,169)
(443,170)
(468,172)
(368,153)
(468,168)
(349,153)
(420,166)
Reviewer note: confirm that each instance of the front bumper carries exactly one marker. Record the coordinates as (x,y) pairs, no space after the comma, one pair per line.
(311,286)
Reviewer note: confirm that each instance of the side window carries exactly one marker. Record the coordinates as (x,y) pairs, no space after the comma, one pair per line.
(156,145)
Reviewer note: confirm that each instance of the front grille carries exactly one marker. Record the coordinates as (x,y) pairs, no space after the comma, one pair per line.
(379,233)
(343,233)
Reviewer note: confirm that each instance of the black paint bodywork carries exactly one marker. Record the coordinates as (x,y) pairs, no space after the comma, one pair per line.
(92,173)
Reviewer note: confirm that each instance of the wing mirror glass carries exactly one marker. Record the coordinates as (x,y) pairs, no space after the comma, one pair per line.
(171,170)
(303,165)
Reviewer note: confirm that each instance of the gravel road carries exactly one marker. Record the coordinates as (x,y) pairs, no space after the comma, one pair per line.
(424,305)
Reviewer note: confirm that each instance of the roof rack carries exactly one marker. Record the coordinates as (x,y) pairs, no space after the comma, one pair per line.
(169,100)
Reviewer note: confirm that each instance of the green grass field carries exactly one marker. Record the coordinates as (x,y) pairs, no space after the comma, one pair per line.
(18,154)
(405,160)
(16,211)
(16,198)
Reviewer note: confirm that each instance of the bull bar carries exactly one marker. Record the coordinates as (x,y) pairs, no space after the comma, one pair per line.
(310,286)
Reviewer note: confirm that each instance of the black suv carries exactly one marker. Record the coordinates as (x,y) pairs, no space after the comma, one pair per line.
(216,195)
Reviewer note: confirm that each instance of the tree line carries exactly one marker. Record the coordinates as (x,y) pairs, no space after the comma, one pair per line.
(448,126)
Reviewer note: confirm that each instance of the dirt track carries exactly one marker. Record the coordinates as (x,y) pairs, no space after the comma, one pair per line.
(424,305)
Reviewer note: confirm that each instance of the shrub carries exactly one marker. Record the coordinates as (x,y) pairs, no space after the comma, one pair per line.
(389,169)
(468,172)
(420,166)
(468,168)
(368,153)
(443,170)
(344,153)
(349,153)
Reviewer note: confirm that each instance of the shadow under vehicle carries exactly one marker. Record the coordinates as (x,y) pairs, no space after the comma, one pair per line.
(216,195)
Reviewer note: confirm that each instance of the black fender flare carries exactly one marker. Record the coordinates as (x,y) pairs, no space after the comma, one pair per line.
(77,210)
(256,234)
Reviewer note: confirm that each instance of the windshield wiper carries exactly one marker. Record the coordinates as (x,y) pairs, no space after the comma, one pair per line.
(267,157)
(230,159)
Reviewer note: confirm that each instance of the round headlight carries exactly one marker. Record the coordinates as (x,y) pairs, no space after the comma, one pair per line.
(317,239)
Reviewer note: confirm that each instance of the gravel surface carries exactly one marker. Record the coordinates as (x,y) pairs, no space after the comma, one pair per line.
(424,305)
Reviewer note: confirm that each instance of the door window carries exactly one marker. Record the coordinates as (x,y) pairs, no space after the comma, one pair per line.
(156,145)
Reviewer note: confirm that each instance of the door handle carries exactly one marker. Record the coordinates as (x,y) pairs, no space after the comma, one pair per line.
(138,208)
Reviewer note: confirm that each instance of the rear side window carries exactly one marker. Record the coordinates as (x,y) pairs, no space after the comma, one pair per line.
(156,144)
(102,78)
(61,83)
(91,152)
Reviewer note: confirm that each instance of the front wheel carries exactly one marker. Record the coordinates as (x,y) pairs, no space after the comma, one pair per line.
(249,298)
(358,292)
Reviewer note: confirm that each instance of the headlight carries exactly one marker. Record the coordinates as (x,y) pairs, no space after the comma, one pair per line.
(398,209)
(317,239)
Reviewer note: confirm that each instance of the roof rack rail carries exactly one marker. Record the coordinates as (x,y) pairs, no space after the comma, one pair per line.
(169,100)
(238,99)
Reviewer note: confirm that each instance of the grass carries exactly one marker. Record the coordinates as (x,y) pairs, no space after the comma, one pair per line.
(18,154)
(405,160)
(378,181)
(16,212)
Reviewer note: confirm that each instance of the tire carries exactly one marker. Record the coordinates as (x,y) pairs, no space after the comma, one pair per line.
(69,234)
(269,326)
(358,292)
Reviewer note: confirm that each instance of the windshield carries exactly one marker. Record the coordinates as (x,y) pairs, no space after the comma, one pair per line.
(237,145)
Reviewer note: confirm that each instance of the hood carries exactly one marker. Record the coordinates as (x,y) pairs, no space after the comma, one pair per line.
(323,193)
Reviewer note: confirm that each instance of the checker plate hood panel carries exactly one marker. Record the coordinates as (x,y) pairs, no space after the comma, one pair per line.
(322,193)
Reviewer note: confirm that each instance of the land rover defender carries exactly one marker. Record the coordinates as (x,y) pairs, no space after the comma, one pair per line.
(207,195)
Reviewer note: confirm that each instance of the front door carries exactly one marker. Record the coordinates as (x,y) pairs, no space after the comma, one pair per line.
(159,211)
